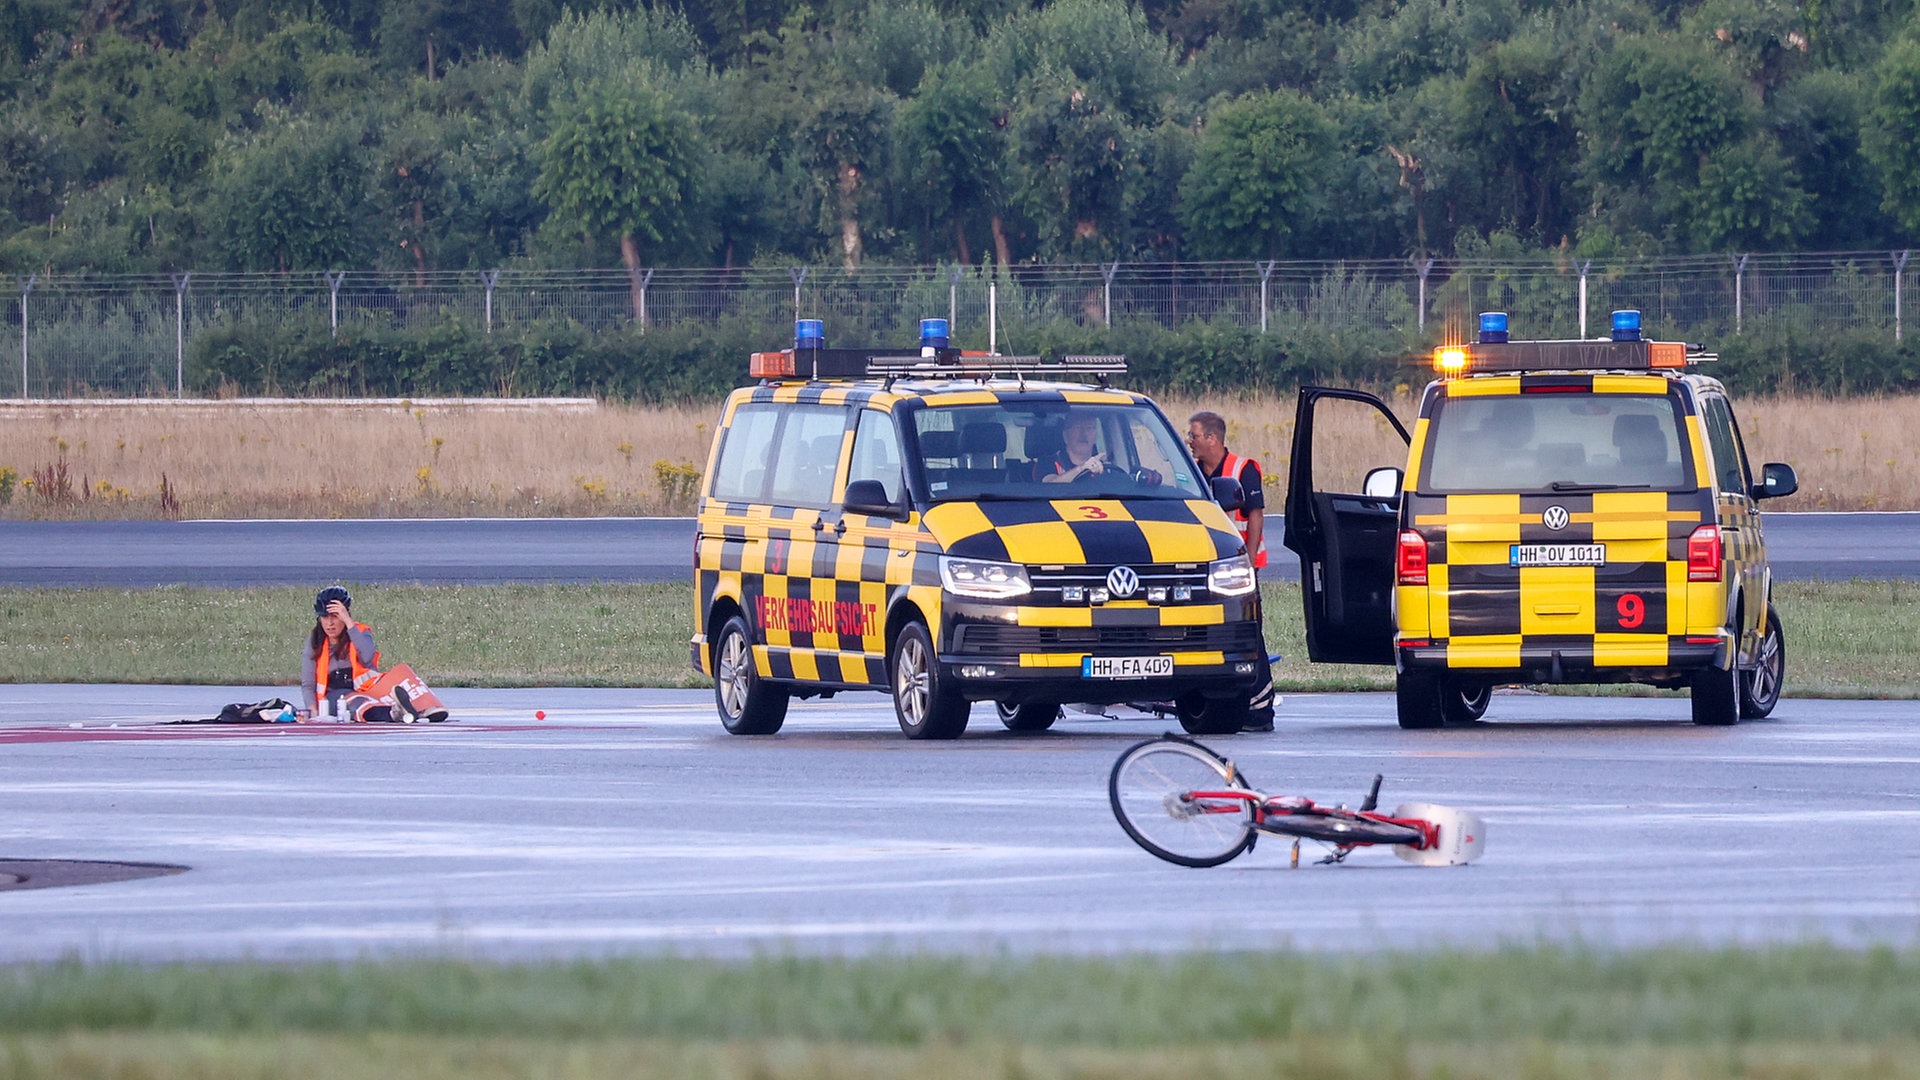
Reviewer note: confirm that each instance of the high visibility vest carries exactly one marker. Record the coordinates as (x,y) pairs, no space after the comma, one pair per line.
(364,672)
(1234,465)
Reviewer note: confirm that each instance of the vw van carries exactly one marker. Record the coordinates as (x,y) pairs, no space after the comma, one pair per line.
(1565,512)
(915,522)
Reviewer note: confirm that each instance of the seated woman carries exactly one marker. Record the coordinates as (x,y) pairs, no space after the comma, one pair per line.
(342,668)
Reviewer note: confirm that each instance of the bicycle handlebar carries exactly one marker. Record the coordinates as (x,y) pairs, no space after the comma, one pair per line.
(1373,796)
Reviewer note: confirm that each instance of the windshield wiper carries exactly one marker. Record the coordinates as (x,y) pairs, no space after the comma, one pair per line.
(1570,485)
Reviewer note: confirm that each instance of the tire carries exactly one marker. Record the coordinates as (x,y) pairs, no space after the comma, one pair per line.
(1202,715)
(1760,685)
(1417,699)
(1716,696)
(1146,789)
(1033,716)
(1462,701)
(926,706)
(1341,830)
(747,705)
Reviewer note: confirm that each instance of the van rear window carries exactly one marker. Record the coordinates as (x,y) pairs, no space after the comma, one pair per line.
(1555,442)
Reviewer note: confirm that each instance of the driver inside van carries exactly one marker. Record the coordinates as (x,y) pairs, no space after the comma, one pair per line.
(1079,457)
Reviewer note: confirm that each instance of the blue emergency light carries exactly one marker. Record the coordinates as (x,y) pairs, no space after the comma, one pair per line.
(1626,325)
(1493,328)
(933,333)
(809,334)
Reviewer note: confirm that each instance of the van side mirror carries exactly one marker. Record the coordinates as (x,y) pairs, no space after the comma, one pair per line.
(870,497)
(1776,479)
(1227,492)
(1382,483)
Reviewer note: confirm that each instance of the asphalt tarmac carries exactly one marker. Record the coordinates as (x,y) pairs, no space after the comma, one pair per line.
(627,821)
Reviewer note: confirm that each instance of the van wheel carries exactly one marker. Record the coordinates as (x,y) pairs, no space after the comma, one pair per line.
(1202,715)
(1417,699)
(1760,685)
(1033,716)
(747,705)
(1462,701)
(927,707)
(1716,696)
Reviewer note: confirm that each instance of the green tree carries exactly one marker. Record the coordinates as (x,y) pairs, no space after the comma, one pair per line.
(293,197)
(427,36)
(1887,133)
(621,164)
(1073,162)
(952,151)
(1513,125)
(1261,167)
(846,141)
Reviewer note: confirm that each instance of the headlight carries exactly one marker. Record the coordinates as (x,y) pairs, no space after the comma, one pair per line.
(1231,577)
(988,580)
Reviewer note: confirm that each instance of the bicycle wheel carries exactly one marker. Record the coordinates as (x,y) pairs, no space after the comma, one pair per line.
(1150,791)
(1337,829)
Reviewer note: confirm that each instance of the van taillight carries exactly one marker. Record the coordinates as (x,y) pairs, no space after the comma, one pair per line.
(1411,562)
(1703,554)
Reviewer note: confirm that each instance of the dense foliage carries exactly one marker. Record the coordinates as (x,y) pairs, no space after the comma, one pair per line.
(286,135)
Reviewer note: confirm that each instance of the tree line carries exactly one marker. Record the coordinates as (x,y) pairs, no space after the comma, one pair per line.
(145,136)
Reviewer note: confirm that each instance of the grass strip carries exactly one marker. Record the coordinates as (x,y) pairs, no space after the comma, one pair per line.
(1844,639)
(1789,1011)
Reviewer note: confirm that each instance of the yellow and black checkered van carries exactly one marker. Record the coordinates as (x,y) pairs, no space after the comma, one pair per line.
(1569,512)
(952,528)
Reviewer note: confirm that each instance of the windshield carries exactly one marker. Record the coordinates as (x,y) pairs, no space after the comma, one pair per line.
(1051,450)
(1543,442)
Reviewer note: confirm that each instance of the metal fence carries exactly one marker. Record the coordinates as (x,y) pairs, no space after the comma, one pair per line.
(131,335)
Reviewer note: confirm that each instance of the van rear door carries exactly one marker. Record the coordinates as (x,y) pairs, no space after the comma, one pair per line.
(1345,538)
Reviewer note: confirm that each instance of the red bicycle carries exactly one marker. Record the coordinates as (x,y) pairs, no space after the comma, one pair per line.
(1188,805)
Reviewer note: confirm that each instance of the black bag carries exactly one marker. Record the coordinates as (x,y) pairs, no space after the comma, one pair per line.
(260,712)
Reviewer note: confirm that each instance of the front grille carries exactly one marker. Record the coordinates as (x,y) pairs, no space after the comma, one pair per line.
(1048,583)
(996,639)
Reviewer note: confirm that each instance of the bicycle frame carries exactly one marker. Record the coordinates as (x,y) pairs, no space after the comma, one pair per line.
(1269,809)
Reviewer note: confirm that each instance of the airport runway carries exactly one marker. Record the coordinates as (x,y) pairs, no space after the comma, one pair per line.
(487,551)
(629,822)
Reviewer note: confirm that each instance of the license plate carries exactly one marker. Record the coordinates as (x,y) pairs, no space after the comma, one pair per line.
(1125,667)
(1557,555)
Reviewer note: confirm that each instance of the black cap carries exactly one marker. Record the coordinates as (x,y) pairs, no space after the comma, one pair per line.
(328,595)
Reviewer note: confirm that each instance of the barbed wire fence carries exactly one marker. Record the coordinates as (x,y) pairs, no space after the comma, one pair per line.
(132,335)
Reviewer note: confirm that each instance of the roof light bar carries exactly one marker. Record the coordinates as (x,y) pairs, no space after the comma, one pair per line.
(1628,355)
(934,357)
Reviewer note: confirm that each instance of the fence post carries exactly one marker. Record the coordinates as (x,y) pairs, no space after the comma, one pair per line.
(954,276)
(180,332)
(799,274)
(993,316)
(1426,268)
(334,278)
(1739,291)
(1106,292)
(24,290)
(638,283)
(1899,270)
(489,278)
(1585,265)
(1266,276)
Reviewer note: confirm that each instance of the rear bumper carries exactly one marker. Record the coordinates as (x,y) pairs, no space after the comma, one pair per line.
(1572,659)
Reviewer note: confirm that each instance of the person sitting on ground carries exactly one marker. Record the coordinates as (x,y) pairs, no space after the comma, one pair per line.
(342,669)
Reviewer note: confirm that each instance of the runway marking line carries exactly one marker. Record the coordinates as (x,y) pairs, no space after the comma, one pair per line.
(149,733)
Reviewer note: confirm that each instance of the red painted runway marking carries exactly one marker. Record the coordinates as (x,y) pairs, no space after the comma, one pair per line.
(149,733)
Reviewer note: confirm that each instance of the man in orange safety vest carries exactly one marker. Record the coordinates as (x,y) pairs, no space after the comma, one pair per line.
(1207,438)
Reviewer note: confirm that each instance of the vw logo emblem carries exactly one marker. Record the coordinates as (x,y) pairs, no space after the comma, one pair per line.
(1555,518)
(1122,582)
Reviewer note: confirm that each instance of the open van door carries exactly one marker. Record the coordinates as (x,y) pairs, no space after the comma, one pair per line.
(1344,534)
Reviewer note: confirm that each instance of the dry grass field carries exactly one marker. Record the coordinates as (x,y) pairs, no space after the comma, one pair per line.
(580,458)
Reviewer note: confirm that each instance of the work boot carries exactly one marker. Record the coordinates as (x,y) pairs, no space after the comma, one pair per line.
(1259,720)
(406,703)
